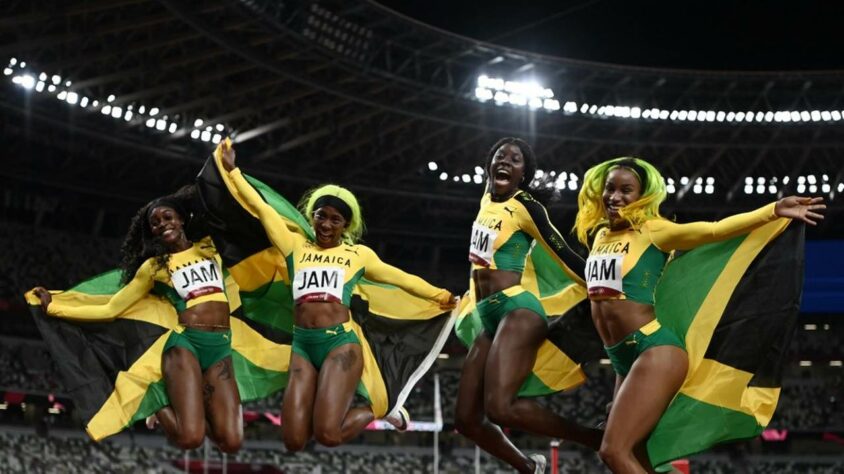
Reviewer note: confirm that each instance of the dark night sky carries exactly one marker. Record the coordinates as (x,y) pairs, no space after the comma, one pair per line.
(717,35)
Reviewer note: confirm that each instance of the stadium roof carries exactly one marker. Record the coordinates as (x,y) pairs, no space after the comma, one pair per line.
(351,91)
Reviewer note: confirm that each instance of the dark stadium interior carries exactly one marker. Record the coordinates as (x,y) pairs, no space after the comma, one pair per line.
(381,97)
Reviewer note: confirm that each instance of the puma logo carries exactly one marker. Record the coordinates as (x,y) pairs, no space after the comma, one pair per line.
(511,211)
(331,332)
(353,251)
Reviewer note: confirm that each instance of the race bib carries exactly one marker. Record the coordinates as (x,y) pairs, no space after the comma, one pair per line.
(319,284)
(197,279)
(603,275)
(480,248)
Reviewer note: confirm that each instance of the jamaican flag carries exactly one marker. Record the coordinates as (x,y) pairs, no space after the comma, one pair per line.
(112,370)
(735,303)
(401,334)
(572,339)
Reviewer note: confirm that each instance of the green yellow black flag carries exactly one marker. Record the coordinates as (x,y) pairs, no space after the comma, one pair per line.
(401,334)
(112,370)
(735,303)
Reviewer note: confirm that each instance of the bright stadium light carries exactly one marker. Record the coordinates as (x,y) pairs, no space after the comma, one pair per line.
(432,165)
(443,176)
(478,179)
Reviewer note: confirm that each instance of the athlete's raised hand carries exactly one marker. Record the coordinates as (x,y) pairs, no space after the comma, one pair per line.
(806,209)
(228,155)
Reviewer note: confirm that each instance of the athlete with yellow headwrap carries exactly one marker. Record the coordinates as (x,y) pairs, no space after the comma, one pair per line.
(326,360)
(619,205)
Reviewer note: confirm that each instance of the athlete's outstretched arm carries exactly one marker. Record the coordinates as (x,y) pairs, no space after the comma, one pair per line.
(274,225)
(669,236)
(136,289)
(538,225)
(381,272)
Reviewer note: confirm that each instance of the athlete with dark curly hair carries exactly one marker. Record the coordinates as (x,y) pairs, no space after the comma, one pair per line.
(196,362)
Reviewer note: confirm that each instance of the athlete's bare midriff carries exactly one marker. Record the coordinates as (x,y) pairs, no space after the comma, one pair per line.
(488,281)
(615,319)
(209,316)
(321,314)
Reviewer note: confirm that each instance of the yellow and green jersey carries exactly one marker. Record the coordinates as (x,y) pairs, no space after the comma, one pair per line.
(504,233)
(326,274)
(192,276)
(627,263)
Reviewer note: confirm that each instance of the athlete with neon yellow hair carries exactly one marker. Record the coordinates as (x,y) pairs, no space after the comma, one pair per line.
(619,206)
(326,360)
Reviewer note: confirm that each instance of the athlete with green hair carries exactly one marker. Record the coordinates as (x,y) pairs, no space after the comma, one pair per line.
(326,361)
(619,206)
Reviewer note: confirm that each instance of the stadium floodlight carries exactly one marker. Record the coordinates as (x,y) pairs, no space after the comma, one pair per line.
(479,170)
(195,134)
(483,94)
(72,98)
(697,189)
(142,109)
(205,136)
(739,116)
(106,110)
(748,180)
(801,188)
(816,116)
(683,115)
(593,108)
(220,127)
(7,71)
(840,187)
(663,114)
(825,177)
(813,188)
(570,107)
(785,180)
(836,115)
(198,122)
(647,114)
(478,179)
(39,86)
(826,116)
(83,102)
(110,98)
(805,116)
(800,179)
(116,112)
(684,180)
(710,189)
(748,189)
(811,179)
(42,76)
(456,179)
(795,116)
(173,127)
(731,116)
(160,125)
(551,104)
(217,138)
(56,79)
(62,95)
(635,112)
(150,122)
(760,189)
(772,189)
(501,97)
(584,108)
(26,81)
(805,363)
(154,111)
(760,180)
(826,188)
(13,61)
(443,176)
(128,116)
(432,165)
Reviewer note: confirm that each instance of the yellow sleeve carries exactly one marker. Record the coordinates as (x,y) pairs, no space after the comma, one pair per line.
(667,235)
(537,224)
(381,272)
(274,225)
(136,289)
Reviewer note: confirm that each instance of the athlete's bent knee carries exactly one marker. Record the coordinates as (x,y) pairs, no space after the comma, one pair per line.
(189,439)
(329,437)
(294,443)
(230,444)
(613,457)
